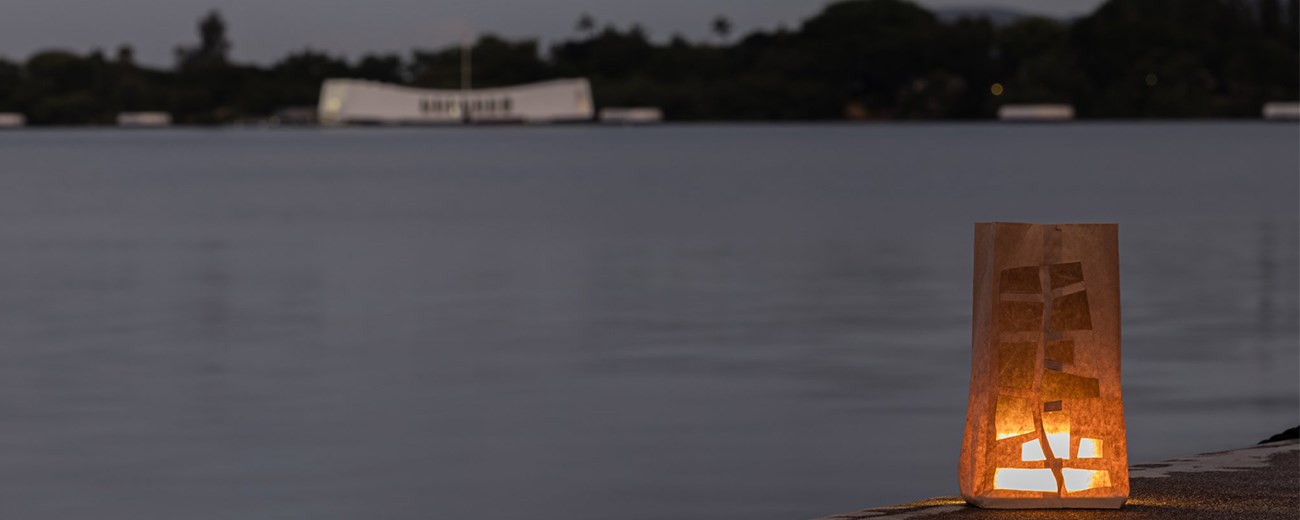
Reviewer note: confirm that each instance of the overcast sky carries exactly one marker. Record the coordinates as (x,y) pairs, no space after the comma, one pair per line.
(263,30)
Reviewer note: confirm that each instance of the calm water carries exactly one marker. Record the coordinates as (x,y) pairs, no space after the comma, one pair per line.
(571,323)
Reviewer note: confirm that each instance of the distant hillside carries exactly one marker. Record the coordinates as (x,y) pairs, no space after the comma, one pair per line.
(1000,16)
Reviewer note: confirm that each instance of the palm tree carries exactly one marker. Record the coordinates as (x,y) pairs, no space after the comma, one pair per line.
(722,27)
(586,24)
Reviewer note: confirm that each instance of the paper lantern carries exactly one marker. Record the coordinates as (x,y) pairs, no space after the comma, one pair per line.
(1045,420)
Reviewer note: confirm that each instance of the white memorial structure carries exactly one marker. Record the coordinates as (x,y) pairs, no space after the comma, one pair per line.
(352,101)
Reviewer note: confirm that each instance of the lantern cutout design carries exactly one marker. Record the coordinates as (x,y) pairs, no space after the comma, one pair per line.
(1045,419)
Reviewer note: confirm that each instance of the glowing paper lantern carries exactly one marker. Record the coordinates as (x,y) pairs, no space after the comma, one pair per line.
(1045,420)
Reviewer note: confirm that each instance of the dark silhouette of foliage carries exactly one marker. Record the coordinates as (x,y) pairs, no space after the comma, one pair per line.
(586,24)
(213,48)
(722,27)
(1209,58)
(860,59)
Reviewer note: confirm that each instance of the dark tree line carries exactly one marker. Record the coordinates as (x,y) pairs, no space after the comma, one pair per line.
(870,59)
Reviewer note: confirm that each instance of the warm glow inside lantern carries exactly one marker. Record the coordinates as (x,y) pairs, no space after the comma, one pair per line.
(1045,420)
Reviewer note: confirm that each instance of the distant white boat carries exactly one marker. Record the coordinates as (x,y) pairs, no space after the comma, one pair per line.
(144,119)
(631,115)
(12,120)
(1043,112)
(353,101)
(1282,110)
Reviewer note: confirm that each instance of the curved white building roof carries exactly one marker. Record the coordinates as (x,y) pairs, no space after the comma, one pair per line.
(345,101)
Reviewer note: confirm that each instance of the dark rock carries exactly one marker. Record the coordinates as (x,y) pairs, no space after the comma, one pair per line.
(1293,433)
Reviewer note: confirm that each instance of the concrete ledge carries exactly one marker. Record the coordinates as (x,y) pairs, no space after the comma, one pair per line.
(1259,482)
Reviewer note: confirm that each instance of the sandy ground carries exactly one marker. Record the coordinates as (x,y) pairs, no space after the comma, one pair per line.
(1259,482)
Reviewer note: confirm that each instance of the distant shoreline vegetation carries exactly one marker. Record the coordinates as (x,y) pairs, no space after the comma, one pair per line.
(858,59)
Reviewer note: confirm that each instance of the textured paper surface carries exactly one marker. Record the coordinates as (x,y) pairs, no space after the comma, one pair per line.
(1045,410)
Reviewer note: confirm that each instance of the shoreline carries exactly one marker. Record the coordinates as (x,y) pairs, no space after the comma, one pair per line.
(703,124)
(1260,481)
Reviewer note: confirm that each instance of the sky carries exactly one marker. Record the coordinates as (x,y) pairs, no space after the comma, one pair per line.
(265,30)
